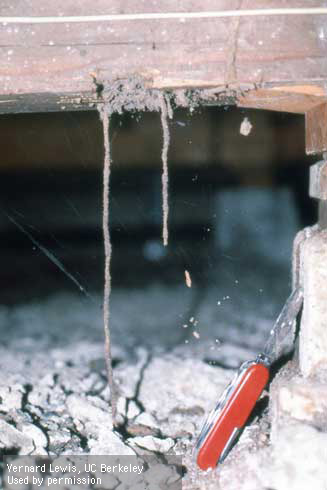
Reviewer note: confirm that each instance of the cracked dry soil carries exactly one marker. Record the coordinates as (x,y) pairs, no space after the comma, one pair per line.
(54,398)
(57,401)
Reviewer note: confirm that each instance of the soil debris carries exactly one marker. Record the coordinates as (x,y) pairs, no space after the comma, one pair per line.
(246,127)
(188,279)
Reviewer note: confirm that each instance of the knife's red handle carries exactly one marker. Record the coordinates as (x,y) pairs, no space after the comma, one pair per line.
(234,414)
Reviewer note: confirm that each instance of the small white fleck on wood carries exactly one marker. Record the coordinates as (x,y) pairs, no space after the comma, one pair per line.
(246,127)
(188,279)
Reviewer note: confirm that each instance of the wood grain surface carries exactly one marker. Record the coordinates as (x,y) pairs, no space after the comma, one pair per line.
(53,66)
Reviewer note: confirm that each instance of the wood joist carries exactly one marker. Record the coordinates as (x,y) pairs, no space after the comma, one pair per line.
(266,62)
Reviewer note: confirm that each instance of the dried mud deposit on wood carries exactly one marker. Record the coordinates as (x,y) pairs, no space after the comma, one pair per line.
(134,93)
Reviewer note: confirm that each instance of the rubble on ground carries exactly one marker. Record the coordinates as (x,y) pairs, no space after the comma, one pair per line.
(57,403)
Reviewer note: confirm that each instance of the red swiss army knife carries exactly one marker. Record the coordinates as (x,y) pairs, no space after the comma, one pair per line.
(233,409)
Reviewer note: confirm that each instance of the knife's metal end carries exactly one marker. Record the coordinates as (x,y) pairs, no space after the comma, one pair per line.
(281,339)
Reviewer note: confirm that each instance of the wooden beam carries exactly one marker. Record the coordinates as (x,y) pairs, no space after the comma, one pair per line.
(316,129)
(294,99)
(54,66)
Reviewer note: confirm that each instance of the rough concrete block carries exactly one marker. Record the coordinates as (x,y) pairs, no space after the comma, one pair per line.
(313,332)
(300,238)
(299,458)
(298,414)
(294,397)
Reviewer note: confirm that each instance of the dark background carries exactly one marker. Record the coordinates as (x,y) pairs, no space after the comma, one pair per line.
(236,203)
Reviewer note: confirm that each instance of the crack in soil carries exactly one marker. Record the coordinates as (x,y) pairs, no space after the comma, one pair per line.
(35,419)
(123,428)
